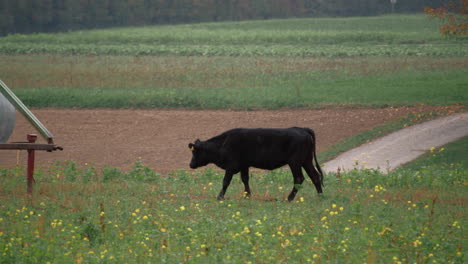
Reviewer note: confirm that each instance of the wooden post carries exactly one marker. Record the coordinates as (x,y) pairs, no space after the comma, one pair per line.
(31,152)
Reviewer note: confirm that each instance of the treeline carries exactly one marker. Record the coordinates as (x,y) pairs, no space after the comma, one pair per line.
(27,16)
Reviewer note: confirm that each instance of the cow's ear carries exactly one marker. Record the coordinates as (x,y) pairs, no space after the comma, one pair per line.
(191,146)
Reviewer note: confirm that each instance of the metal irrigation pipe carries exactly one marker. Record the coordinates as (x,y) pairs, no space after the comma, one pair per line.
(26,112)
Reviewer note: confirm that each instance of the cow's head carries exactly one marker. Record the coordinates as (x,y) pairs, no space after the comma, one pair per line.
(201,155)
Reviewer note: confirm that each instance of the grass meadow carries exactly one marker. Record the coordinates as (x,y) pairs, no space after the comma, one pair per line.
(81,214)
(233,82)
(370,61)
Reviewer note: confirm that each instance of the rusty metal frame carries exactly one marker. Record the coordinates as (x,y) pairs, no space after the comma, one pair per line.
(29,146)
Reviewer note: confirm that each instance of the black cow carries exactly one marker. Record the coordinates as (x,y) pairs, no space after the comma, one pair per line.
(238,149)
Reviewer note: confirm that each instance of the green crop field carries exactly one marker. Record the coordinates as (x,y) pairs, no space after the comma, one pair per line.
(384,35)
(370,61)
(242,83)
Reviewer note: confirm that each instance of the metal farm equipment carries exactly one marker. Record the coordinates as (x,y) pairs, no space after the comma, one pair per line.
(8,104)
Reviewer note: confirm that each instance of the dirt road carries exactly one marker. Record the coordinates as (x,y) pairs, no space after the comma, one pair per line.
(118,138)
(400,147)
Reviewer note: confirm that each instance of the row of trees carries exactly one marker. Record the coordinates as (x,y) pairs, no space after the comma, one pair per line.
(26,16)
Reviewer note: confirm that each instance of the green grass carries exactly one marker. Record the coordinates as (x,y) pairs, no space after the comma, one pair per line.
(314,62)
(412,35)
(228,82)
(85,215)
(448,156)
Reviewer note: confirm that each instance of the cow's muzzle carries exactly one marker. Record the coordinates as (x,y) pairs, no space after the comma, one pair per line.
(193,165)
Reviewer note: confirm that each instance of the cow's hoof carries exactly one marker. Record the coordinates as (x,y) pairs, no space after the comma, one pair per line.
(220,198)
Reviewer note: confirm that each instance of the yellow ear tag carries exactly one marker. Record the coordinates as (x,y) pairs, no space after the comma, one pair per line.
(192,148)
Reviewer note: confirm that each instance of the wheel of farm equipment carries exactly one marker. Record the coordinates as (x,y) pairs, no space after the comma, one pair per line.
(7,118)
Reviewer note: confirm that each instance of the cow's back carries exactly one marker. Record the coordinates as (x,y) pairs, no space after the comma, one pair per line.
(266,148)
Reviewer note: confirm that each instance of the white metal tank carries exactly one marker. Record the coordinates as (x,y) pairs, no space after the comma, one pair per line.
(7,118)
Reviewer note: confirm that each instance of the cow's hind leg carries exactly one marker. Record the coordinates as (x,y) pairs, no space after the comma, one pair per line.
(226,181)
(245,180)
(313,175)
(298,180)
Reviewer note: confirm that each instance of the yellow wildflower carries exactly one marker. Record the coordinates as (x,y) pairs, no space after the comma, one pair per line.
(417,243)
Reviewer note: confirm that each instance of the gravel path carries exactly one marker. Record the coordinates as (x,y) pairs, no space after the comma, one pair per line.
(398,148)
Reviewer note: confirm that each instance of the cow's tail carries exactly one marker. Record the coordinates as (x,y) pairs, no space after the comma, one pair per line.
(317,165)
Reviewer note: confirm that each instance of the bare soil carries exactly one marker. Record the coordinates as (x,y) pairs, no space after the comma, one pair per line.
(118,138)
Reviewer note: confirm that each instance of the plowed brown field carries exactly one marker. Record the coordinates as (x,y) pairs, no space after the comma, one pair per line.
(159,138)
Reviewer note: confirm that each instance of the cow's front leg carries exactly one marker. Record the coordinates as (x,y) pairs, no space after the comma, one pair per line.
(298,180)
(245,180)
(226,181)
